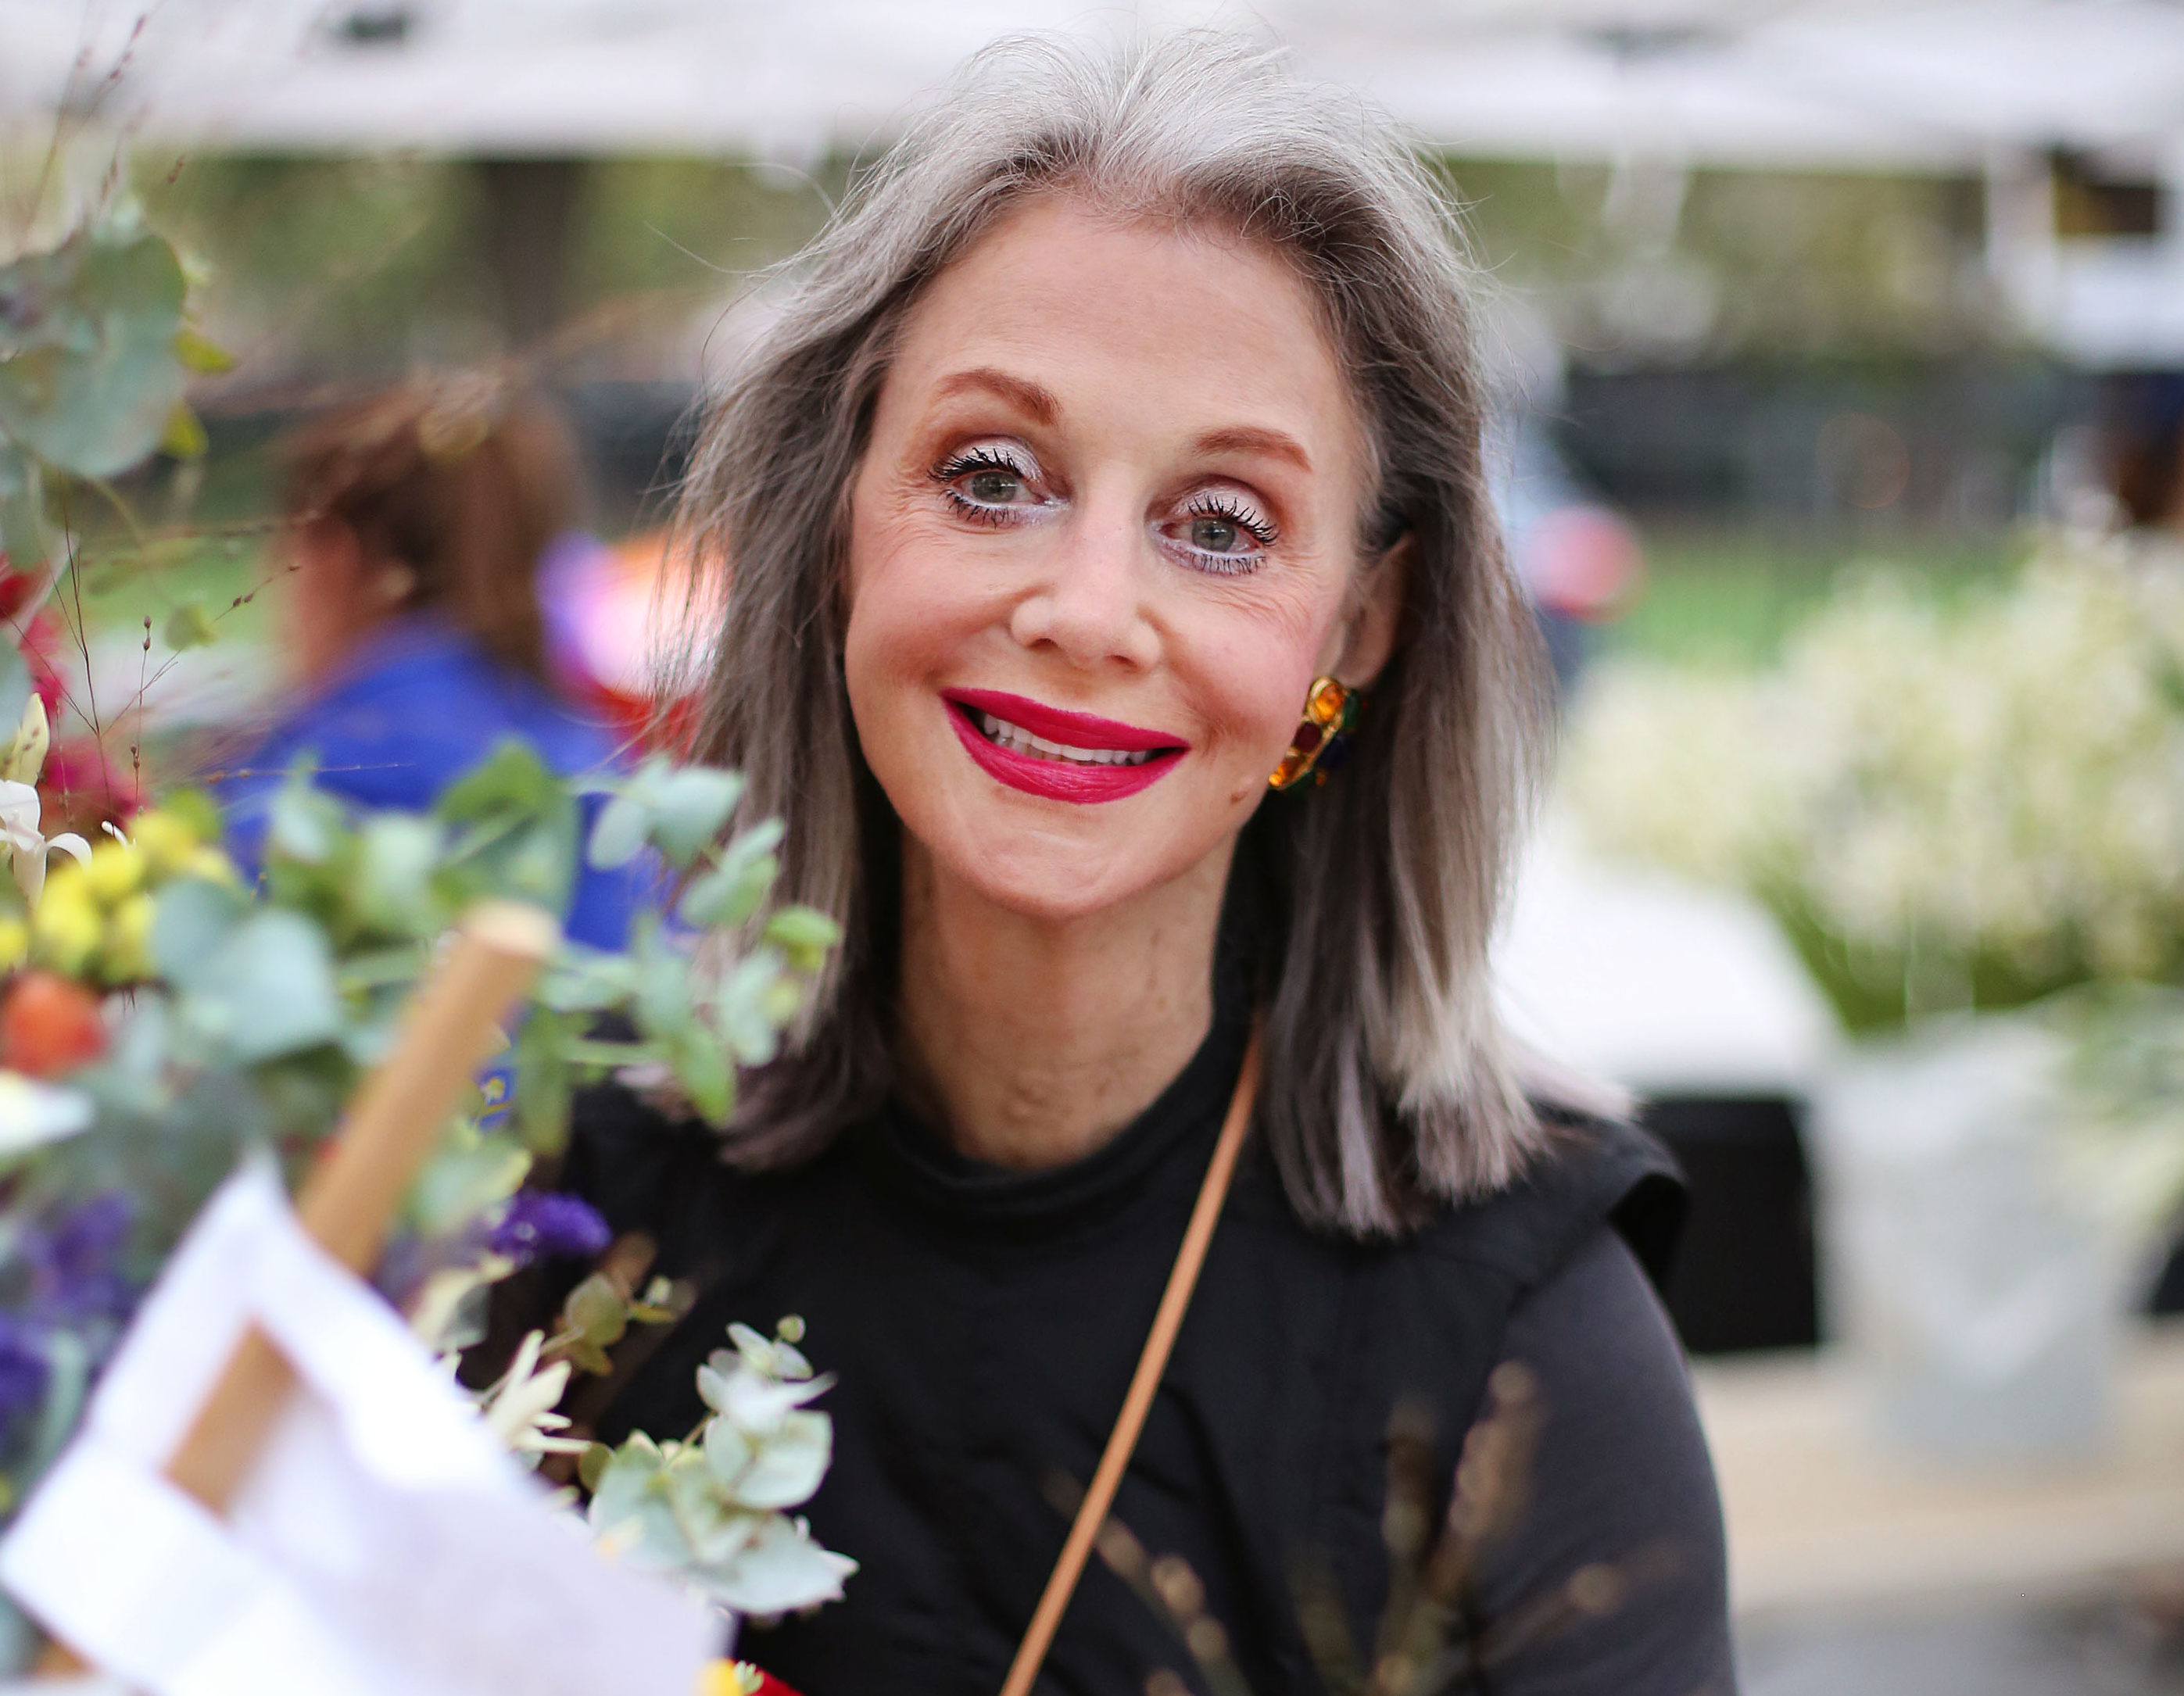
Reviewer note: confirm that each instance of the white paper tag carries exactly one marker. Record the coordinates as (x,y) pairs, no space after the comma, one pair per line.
(384,1545)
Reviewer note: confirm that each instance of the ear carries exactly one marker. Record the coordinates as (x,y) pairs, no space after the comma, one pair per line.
(1367,632)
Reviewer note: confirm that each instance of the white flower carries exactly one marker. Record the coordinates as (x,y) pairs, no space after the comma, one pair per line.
(34,1114)
(1992,781)
(519,1410)
(23,842)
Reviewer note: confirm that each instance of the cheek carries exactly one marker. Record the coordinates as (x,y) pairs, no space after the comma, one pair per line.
(910,604)
(1254,669)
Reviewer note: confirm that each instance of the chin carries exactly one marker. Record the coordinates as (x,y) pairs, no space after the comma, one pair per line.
(1036,877)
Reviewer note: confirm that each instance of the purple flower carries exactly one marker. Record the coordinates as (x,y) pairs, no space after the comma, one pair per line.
(75,1262)
(540,1226)
(22,1373)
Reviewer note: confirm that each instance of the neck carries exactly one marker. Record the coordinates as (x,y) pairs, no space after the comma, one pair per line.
(1032,1040)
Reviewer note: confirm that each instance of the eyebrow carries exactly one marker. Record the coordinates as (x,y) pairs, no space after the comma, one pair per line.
(1248,439)
(1040,403)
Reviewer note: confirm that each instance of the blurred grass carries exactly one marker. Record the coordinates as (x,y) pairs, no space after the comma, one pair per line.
(1729,595)
(230,578)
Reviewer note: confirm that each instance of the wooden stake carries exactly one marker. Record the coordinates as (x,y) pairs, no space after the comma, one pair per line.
(349,1201)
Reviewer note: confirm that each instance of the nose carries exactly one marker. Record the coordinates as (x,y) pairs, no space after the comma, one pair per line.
(1088,606)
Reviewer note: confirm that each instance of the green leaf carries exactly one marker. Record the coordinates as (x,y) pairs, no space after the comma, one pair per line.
(467,1176)
(392,892)
(587,1357)
(596,1312)
(582,979)
(544,1080)
(305,824)
(690,805)
(184,437)
(191,918)
(618,837)
(804,934)
(189,625)
(23,545)
(519,836)
(733,890)
(89,374)
(511,778)
(267,989)
(662,1008)
(200,354)
(744,1015)
(701,1067)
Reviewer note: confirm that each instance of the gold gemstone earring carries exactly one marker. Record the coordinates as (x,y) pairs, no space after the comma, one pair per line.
(1323,733)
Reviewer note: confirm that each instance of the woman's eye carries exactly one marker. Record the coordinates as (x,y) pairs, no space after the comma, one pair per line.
(1221,533)
(1216,535)
(985,484)
(994,488)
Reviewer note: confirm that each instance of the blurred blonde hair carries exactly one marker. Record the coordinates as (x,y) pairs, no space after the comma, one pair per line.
(1367,903)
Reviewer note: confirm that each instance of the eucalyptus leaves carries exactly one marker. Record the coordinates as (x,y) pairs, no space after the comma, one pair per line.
(95,348)
(711,1510)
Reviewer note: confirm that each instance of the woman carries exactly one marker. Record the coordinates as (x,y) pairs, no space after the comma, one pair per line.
(1128,402)
(416,520)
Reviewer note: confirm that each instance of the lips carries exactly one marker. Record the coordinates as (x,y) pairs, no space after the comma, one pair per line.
(1054,753)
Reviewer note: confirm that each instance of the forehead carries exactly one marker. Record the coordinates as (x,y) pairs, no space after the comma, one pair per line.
(1100,308)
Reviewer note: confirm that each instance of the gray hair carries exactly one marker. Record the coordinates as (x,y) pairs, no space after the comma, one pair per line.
(1368,902)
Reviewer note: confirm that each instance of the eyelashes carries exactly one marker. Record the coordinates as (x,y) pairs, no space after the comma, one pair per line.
(1218,531)
(1001,476)
(1214,524)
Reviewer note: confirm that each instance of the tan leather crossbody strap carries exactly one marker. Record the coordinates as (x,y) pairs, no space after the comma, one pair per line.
(1122,1441)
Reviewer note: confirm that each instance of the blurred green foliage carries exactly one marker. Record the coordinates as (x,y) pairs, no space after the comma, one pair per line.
(1728,595)
(1788,264)
(359,266)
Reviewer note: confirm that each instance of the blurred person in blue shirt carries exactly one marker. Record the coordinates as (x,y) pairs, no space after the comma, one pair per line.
(416,520)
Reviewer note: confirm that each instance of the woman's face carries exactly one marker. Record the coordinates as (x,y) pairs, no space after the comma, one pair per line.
(1103,537)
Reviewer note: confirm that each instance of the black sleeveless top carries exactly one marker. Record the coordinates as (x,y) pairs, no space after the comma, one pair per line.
(984,1324)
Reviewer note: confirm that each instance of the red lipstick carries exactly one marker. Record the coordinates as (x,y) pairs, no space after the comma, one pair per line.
(1061,779)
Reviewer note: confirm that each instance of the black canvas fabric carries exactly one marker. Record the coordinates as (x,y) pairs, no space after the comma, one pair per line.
(985,1325)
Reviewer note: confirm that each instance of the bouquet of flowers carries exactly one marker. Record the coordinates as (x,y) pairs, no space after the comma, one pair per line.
(1950,806)
(161,1019)
(1960,806)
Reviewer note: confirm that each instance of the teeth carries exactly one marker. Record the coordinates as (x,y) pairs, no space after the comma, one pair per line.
(1017,740)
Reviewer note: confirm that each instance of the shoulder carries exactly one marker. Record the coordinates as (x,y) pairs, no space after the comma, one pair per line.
(1623,1523)
(1588,1173)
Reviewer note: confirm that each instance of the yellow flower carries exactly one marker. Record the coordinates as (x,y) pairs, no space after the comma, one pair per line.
(115,872)
(164,840)
(66,927)
(211,865)
(15,944)
(129,940)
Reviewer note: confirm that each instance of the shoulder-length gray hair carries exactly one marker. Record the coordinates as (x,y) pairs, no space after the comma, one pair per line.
(1367,903)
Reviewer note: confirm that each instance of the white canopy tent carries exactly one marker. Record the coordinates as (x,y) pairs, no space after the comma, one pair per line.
(1817,83)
